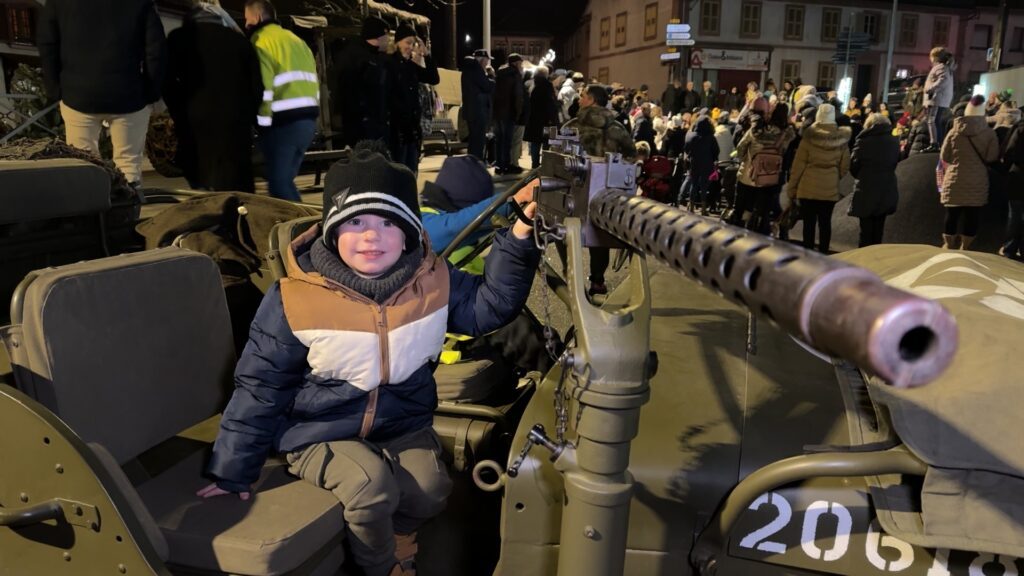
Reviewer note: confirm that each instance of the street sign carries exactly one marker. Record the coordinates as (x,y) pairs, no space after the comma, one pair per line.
(670,56)
(674,28)
(687,42)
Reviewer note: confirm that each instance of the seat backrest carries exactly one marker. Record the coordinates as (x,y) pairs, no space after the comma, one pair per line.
(128,350)
(43,189)
(281,235)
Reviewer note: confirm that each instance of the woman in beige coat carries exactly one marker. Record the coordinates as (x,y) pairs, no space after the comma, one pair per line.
(967,150)
(821,161)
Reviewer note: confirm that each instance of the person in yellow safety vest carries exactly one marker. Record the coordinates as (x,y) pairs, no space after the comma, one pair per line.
(462,191)
(291,97)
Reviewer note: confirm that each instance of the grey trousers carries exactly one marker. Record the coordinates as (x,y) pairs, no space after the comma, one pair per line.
(386,488)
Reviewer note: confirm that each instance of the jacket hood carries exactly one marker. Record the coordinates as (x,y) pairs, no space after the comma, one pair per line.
(970,125)
(595,116)
(828,136)
(875,131)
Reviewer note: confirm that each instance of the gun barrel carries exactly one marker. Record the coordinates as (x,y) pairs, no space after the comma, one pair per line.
(837,308)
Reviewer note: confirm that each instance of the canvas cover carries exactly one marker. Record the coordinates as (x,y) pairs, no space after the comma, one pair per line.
(966,424)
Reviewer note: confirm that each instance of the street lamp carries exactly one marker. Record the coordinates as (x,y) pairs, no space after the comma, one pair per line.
(468,39)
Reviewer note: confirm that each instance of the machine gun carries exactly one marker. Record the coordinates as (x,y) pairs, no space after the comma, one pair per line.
(837,309)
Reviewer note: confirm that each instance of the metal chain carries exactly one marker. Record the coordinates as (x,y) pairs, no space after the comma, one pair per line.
(543,234)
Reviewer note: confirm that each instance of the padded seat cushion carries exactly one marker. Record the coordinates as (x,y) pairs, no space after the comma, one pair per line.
(43,189)
(284,523)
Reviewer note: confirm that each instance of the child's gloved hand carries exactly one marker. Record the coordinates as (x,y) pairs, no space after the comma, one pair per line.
(522,230)
(213,490)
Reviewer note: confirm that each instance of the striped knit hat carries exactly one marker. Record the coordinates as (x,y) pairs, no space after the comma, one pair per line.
(370,184)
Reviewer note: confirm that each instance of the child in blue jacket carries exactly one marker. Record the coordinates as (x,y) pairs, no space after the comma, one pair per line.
(337,371)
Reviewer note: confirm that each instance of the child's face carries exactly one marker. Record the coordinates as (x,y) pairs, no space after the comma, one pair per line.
(370,245)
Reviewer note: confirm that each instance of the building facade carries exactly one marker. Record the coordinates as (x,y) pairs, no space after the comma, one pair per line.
(531,48)
(738,41)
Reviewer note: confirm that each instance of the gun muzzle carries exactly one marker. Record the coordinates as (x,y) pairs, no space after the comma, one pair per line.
(837,308)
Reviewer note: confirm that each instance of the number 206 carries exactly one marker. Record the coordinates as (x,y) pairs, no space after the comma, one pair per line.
(759,539)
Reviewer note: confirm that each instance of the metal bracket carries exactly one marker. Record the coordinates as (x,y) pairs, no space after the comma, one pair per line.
(75,513)
(80,513)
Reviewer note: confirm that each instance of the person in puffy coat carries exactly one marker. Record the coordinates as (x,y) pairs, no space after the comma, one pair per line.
(821,161)
(918,140)
(337,374)
(702,152)
(967,151)
(769,133)
(873,163)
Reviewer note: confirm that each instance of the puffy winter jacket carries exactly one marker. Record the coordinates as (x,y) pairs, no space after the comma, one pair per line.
(938,87)
(821,161)
(873,163)
(326,363)
(968,149)
(756,139)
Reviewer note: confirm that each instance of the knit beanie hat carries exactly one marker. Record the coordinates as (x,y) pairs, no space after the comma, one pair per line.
(976,107)
(404,31)
(374,27)
(760,106)
(826,114)
(370,184)
(465,180)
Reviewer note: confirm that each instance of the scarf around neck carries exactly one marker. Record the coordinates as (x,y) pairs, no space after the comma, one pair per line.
(329,265)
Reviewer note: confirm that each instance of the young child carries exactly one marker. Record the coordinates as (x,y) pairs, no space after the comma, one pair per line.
(938,95)
(336,374)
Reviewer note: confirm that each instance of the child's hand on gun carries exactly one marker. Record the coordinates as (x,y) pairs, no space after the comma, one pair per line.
(213,490)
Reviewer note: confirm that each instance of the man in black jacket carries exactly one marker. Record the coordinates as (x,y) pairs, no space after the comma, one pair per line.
(104,61)
(477,89)
(508,104)
(690,98)
(362,87)
(411,65)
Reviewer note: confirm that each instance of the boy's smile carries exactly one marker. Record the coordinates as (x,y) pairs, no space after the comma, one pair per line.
(370,244)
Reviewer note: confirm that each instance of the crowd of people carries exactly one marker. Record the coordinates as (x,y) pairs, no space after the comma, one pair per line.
(766,158)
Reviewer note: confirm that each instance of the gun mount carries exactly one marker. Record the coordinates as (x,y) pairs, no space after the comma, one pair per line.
(841,310)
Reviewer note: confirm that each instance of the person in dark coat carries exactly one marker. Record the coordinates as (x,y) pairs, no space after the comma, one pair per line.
(670,98)
(643,130)
(689,98)
(477,91)
(708,97)
(733,100)
(918,140)
(1013,158)
(362,87)
(508,105)
(543,113)
(213,92)
(410,66)
(104,61)
(873,163)
(675,139)
(702,151)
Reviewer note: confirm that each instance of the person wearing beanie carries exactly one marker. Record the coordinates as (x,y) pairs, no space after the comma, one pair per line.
(477,90)
(508,105)
(967,151)
(291,98)
(410,66)
(821,161)
(462,191)
(338,371)
(938,95)
(359,92)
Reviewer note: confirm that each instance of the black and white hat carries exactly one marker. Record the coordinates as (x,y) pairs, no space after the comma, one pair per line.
(369,184)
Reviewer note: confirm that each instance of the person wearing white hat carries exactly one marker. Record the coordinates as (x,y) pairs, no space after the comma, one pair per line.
(967,151)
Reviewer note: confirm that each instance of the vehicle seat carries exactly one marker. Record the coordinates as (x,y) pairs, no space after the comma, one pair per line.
(131,351)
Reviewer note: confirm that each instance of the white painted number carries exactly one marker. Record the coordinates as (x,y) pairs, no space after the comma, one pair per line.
(940,567)
(1008,563)
(758,538)
(810,530)
(876,540)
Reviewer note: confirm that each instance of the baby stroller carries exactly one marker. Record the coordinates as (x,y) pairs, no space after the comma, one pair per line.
(656,179)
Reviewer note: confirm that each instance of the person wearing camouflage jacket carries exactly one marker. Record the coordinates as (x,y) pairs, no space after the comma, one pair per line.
(599,131)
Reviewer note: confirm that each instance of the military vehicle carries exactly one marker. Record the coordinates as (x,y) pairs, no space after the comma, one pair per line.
(799,414)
